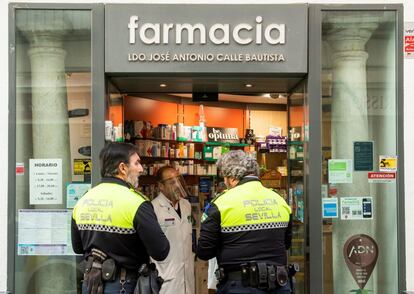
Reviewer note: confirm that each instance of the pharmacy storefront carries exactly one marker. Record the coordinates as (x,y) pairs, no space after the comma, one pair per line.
(314,92)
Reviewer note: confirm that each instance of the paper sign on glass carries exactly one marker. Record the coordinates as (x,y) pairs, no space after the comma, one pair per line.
(44,232)
(364,156)
(388,163)
(409,39)
(45,181)
(74,192)
(19,168)
(381,177)
(356,208)
(361,254)
(340,171)
(330,207)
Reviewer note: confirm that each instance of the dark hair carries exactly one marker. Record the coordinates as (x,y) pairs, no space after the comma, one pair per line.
(112,155)
(160,173)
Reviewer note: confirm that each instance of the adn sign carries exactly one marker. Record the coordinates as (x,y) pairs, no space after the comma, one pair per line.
(144,38)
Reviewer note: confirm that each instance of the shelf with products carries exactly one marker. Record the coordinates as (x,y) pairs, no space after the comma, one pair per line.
(297,221)
(296,160)
(297,198)
(189,168)
(169,149)
(273,171)
(226,144)
(201,188)
(295,142)
(156,158)
(189,179)
(161,149)
(295,258)
(210,143)
(297,248)
(167,140)
(298,207)
(296,151)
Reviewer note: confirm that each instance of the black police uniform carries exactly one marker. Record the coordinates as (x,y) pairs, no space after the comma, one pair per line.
(248,228)
(120,222)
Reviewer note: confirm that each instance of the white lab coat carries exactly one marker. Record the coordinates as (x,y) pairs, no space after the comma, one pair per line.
(177,269)
(211,279)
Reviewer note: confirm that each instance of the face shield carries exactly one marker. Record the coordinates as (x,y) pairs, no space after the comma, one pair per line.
(175,188)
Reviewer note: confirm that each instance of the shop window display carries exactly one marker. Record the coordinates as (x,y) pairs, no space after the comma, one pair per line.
(192,136)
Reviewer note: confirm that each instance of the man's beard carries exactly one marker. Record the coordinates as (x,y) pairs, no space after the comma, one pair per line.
(133,180)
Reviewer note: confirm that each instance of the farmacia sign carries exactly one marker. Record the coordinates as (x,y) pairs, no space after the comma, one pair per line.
(202,38)
(218,34)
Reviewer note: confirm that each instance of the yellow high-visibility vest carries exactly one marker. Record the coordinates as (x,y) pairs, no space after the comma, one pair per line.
(251,206)
(108,207)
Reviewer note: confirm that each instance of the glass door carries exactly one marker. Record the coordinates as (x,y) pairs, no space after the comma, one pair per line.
(359,151)
(297,164)
(54,68)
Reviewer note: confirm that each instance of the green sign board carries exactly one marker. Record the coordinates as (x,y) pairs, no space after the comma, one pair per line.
(363,156)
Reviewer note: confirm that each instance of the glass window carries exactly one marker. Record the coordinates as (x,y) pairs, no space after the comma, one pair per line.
(298,182)
(359,145)
(53,144)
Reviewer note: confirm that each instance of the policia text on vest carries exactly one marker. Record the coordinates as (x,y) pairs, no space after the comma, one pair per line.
(121,222)
(247,227)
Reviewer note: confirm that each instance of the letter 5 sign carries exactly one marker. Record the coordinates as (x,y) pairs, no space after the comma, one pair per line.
(82,167)
(388,163)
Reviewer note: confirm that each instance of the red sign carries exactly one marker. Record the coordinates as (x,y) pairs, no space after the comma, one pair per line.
(333,191)
(19,168)
(381,175)
(409,44)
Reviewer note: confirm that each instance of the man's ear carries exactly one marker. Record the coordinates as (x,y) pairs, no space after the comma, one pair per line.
(233,182)
(123,169)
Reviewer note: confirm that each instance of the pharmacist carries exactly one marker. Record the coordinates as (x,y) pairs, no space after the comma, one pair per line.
(248,229)
(173,212)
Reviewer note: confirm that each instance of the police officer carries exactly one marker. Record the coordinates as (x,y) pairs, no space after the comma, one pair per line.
(248,229)
(114,226)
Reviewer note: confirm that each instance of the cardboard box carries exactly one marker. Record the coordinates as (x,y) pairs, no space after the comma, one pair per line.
(201,272)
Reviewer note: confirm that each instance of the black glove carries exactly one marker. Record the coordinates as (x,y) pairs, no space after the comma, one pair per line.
(94,282)
(155,280)
(93,279)
(148,282)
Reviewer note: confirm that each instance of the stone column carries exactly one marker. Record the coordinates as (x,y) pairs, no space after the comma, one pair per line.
(45,31)
(49,101)
(23,141)
(347,34)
